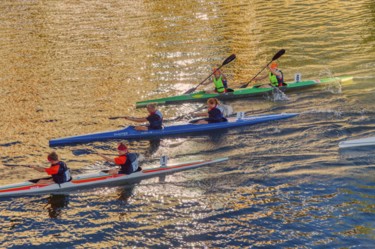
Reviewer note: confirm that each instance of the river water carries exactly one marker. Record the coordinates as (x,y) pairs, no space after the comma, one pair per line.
(67,66)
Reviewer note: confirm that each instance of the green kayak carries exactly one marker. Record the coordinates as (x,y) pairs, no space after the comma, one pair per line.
(238,93)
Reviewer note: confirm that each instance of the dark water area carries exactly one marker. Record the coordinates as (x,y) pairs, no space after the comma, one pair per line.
(67,67)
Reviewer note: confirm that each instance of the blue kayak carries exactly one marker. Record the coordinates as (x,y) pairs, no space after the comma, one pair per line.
(132,134)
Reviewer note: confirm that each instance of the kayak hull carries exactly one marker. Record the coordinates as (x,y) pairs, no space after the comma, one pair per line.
(369,141)
(99,179)
(238,93)
(173,130)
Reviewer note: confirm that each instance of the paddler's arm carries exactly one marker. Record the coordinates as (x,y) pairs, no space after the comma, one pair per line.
(261,78)
(209,81)
(109,159)
(224,76)
(136,119)
(37,168)
(201,114)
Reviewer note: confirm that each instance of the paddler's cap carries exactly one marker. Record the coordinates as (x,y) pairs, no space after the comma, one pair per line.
(122,147)
(274,64)
(52,157)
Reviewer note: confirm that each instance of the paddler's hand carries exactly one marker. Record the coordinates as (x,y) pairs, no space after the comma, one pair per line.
(105,157)
(113,171)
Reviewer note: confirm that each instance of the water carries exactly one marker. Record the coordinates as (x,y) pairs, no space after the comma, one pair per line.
(66,67)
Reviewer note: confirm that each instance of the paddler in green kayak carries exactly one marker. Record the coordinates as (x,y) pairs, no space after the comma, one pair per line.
(220,81)
(275,76)
(155,119)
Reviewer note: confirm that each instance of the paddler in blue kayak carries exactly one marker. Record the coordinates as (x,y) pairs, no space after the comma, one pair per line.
(58,170)
(155,119)
(214,114)
(127,161)
(275,76)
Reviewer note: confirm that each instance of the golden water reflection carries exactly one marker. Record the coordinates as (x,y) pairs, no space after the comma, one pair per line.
(66,66)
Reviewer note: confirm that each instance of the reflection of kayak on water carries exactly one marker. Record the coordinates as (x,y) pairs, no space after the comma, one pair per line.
(239,93)
(99,178)
(172,130)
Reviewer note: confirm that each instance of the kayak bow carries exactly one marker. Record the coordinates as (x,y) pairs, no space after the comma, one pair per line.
(357,142)
(98,179)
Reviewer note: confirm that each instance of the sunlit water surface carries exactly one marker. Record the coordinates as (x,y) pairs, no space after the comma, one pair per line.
(67,66)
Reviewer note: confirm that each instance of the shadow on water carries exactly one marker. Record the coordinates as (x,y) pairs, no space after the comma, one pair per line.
(217,137)
(154,146)
(126,192)
(56,203)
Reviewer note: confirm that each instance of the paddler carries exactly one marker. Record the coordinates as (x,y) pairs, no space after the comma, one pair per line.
(127,161)
(214,114)
(275,76)
(58,170)
(155,119)
(220,81)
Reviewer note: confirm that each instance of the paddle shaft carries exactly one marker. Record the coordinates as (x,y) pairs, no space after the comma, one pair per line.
(117,117)
(17,165)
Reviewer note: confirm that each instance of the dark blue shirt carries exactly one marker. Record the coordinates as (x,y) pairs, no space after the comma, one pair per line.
(215,116)
(155,120)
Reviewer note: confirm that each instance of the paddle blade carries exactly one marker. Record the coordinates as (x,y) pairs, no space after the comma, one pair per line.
(278,54)
(229,59)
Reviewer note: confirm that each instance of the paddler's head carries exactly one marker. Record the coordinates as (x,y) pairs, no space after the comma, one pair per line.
(212,103)
(53,157)
(216,71)
(151,108)
(122,149)
(273,65)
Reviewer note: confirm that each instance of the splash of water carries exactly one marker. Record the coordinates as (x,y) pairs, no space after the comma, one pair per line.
(334,86)
(278,95)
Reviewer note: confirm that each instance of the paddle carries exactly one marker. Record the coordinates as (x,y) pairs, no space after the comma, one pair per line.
(275,57)
(80,152)
(117,117)
(16,165)
(227,60)
(168,120)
